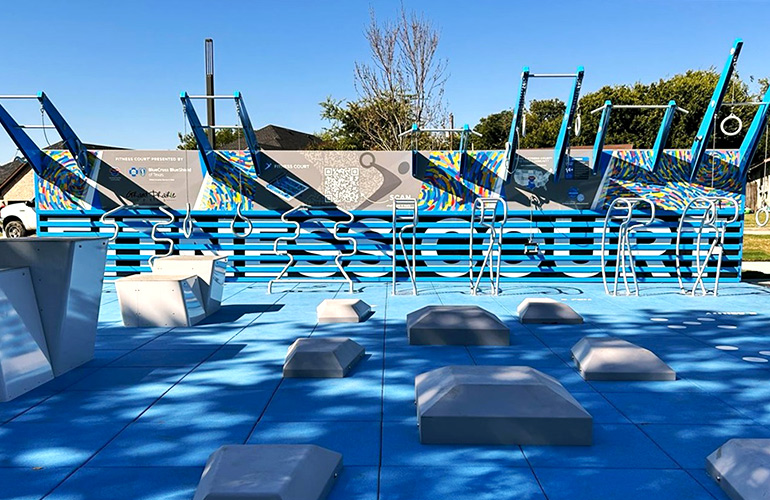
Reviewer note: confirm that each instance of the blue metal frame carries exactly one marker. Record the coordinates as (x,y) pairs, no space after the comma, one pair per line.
(34,155)
(663,132)
(71,140)
(751,141)
(248,133)
(604,123)
(204,146)
(562,142)
(707,125)
(514,133)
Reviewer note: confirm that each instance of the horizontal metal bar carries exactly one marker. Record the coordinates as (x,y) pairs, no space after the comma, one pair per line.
(552,75)
(219,127)
(747,103)
(211,96)
(638,106)
(446,130)
(17,96)
(37,126)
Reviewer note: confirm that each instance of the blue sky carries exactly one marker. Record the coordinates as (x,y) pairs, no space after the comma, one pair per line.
(115,69)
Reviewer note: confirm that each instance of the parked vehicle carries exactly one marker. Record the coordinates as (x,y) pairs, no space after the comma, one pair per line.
(18,219)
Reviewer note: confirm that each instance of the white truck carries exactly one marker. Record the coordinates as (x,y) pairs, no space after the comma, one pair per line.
(18,219)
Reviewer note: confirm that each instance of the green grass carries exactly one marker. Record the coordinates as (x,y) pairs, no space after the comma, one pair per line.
(756,247)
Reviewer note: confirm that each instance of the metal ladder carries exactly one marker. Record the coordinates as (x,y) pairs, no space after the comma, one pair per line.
(405,212)
(628,225)
(297,230)
(708,221)
(487,209)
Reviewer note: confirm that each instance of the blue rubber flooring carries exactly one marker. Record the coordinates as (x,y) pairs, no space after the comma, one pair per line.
(140,420)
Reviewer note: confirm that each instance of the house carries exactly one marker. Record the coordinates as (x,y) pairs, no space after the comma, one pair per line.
(17,180)
(273,137)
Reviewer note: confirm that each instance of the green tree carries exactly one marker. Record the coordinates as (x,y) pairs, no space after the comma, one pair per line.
(691,90)
(402,84)
(542,122)
(224,138)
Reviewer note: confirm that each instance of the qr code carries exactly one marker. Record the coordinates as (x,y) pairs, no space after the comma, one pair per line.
(341,185)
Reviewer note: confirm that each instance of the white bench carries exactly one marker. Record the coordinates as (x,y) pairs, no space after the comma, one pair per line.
(24,362)
(181,290)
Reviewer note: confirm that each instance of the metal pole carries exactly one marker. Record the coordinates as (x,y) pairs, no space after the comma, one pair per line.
(209,56)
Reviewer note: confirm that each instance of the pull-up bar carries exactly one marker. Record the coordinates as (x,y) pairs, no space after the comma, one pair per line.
(637,106)
(198,129)
(562,142)
(19,96)
(660,140)
(210,96)
(37,159)
(553,75)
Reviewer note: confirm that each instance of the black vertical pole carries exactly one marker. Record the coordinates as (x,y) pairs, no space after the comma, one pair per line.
(209,45)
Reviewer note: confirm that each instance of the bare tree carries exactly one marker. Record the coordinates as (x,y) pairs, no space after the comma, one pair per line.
(403,84)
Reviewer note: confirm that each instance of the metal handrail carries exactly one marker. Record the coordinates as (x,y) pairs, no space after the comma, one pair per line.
(413,219)
(624,249)
(156,239)
(297,231)
(487,206)
(709,221)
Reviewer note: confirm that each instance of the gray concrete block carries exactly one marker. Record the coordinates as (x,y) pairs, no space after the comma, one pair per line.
(498,405)
(456,325)
(610,358)
(741,467)
(210,269)
(269,472)
(24,363)
(343,311)
(543,310)
(67,275)
(160,300)
(331,357)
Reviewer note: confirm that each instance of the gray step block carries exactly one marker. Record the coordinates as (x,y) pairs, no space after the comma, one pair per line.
(610,358)
(549,311)
(456,325)
(498,405)
(343,311)
(210,269)
(160,300)
(24,363)
(741,467)
(269,472)
(331,357)
(67,275)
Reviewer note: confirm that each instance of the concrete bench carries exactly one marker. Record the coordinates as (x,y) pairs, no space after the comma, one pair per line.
(67,276)
(210,270)
(160,300)
(24,363)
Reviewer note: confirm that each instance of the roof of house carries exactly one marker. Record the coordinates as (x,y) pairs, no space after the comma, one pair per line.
(273,137)
(9,171)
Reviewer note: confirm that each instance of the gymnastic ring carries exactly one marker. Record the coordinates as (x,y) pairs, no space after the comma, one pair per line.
(726,119)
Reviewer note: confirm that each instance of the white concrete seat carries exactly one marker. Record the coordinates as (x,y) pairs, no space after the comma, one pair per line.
(322,357)
(741,467)
(24,362)
(610,358)
(269,472)
(548,311)
(498,405)
(343,311)
(160,300)
(210,269)
(67,276)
